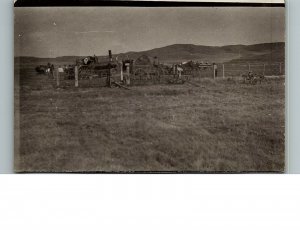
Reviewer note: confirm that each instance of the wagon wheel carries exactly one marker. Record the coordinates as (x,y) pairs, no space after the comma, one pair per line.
(113,71)
(87,74)
(82,71)
(159,73)
(140,74)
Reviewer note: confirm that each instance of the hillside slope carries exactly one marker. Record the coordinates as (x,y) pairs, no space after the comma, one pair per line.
(265,52)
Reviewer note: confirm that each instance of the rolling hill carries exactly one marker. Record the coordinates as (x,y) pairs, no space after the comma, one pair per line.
(265,52)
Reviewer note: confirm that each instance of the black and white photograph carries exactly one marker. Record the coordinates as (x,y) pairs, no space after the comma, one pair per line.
(120,89)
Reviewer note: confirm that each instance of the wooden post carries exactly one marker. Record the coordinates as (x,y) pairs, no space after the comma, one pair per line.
(57,78)
(128,75)
(174,71)
(214,71)
(108,79)
(121,71)
(249,67)
(264,69)
(223,71)
(76,76)
(110,55)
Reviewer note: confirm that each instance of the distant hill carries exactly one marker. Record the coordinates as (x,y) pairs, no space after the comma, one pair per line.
(268,52)
(265,52)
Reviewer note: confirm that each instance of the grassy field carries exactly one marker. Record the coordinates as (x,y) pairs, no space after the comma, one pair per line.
(222,126)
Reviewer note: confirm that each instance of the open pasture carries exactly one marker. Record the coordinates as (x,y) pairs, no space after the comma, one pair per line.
(214,126)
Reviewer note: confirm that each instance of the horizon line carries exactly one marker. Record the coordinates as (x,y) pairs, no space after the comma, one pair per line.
(145,50)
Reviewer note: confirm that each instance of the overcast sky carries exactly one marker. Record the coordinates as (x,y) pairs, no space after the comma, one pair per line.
(52,32)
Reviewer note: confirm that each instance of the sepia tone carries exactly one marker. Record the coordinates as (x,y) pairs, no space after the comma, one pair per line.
(149,89)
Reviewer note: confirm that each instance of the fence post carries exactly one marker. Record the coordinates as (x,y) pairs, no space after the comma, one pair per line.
(57,78)
(128,75)
(108,79)
(53,72)
(249,67)
(76,76)
(214,71)
(264,69)
(121,71)
(223,71)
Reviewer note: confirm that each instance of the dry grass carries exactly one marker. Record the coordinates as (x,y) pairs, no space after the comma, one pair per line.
(219,126)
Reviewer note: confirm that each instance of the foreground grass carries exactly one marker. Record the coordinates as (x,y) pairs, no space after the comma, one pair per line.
(219,126)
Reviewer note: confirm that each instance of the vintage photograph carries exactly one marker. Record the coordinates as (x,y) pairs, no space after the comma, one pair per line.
(149,89)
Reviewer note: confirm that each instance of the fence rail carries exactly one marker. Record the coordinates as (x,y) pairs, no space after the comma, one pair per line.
(237,69)
(223,70)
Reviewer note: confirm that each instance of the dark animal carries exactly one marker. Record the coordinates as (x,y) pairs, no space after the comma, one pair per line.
(41,69)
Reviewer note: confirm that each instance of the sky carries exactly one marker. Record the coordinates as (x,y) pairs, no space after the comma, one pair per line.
(78,31)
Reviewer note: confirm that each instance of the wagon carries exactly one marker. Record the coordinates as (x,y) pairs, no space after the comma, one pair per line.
(146,69)
(90,67)
(194,69)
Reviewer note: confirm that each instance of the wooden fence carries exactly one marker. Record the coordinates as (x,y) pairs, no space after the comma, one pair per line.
(237,69)
(222,70)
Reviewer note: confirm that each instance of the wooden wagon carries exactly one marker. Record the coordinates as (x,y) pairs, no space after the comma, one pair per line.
(146,69)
